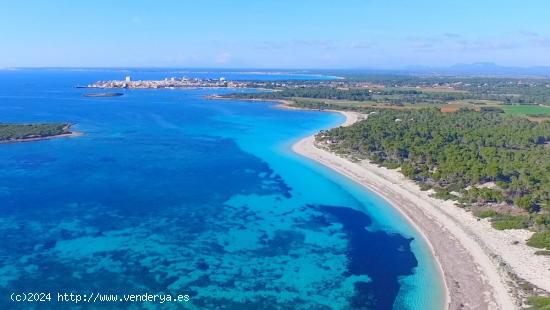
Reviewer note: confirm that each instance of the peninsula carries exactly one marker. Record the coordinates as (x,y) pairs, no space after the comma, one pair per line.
(10,133)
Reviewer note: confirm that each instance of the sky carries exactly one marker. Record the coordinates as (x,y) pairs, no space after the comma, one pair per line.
(384,34)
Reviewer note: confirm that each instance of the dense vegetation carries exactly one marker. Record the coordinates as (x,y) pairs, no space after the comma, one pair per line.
(393,96)
(410,89)
(508,90)
(310,92)
(477,158)
(26,131)
(319,105)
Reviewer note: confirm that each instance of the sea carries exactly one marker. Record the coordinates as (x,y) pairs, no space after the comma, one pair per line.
(195,203)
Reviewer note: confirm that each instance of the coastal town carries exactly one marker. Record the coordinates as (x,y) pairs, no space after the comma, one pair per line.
(172,82)
(222,82)
(443,87)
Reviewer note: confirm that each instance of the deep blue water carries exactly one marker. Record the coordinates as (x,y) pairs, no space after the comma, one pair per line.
(167,192)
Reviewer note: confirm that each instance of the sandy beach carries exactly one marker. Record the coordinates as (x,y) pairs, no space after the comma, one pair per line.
(482,267)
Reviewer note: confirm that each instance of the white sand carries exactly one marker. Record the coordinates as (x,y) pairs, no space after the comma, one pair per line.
(473,256)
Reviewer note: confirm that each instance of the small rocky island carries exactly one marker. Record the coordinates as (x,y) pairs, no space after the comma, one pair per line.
(103,95)
(31,132)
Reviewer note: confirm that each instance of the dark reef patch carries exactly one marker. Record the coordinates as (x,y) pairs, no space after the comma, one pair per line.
(382,256)
(161,195)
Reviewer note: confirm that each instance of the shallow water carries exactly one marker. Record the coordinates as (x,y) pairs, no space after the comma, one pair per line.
(170,192)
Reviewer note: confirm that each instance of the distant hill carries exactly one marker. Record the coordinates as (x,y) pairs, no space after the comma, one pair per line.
(479,69)
(482,69)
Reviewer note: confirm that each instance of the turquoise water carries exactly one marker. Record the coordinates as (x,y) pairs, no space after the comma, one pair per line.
(168,192)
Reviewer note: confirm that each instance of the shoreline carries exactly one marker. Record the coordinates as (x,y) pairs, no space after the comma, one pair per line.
(479,265)
(69,134)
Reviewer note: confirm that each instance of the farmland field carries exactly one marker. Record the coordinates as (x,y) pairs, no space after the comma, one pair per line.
(529,110)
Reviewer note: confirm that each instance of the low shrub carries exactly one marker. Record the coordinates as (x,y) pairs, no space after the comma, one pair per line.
(485,213)
(539,302)
(502,222)
(540,240)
